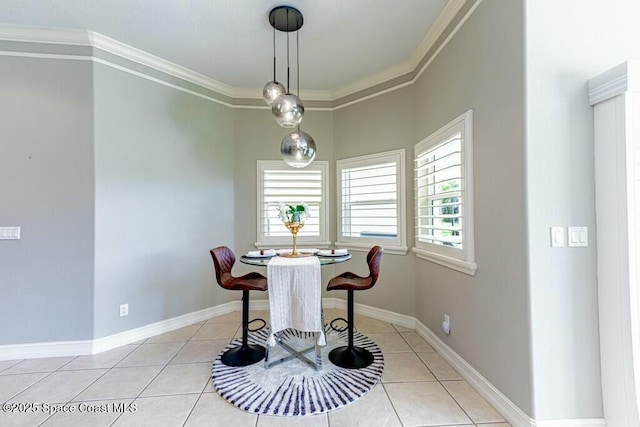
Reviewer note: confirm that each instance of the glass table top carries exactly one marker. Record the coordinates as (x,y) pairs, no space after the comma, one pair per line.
(324,260)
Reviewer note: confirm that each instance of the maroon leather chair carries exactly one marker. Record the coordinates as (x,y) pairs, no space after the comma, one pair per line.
(223,260)
(350,356)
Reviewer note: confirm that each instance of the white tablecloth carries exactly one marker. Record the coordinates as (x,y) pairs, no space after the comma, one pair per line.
(295,296)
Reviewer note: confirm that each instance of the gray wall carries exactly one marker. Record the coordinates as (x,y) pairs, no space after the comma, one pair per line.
(175,175)
(164,197)
(102,166)
(482,68)
(258,137)
(46,187)
(377,125)
(567,43)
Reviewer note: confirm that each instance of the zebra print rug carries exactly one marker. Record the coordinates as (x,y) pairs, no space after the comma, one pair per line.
(294,388)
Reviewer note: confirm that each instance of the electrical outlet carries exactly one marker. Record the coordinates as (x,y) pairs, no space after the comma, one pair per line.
(446,325)
(124,310)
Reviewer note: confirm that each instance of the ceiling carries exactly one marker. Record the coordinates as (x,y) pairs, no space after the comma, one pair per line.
(342,42)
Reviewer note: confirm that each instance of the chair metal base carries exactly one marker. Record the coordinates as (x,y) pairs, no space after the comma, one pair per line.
(244,355)
(351,357)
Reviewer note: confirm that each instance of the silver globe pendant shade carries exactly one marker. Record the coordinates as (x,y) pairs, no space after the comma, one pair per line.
(272,90)
(298,149)
(286,107)
(288,110)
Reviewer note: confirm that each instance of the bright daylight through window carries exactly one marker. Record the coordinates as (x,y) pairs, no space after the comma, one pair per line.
(279,183)
(444,196)
(371,200)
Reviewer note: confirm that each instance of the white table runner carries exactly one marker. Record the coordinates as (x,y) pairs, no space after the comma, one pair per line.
(295,296)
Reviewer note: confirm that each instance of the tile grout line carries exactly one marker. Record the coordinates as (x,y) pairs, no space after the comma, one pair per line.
(200,395)
(150,381)
(93,382)
(11,366)
(37,382)
(383,384)
(442,385)
(434,376)
(206,382)
(159,372)
(395,411)
(192,408)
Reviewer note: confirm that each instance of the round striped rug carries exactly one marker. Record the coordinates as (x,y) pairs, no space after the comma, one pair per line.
(293,388)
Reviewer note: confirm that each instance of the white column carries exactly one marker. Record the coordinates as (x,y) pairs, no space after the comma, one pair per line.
(615,97)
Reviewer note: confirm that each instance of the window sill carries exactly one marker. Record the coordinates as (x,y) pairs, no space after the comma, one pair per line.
(391,250)
(465,267)
(289,243)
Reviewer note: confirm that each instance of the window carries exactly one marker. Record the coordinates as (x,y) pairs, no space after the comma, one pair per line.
(444,196)
(278,182)
(371,201)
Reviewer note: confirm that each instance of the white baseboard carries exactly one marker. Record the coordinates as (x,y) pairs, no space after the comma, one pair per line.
(45,349)
(148,331)
(512,413)
(499,401)
(582,422)
(385,315)
(87,347)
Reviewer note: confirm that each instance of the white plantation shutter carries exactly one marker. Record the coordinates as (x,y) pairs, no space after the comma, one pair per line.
(439,194)
(371,200)
(443,184)
(279,183)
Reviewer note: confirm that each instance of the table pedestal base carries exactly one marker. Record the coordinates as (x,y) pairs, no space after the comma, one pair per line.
(295,354)
(351,357)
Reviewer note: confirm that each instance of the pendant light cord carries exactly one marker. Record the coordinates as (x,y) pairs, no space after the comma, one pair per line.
(298,61)
(274,54)
(287,50)
(298,67)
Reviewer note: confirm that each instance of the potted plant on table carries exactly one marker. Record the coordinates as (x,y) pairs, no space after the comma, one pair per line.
(293,217)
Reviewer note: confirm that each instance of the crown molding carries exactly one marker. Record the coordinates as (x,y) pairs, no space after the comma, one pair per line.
(372,81)
(255,93)
(29,34)
(131,53)
(32,34)
(445,17)
(442,21)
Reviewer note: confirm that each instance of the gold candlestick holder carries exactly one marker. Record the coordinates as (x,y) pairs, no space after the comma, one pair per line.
(294,227)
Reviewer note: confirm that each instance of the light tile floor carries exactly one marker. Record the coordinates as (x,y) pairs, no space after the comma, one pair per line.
(165,381)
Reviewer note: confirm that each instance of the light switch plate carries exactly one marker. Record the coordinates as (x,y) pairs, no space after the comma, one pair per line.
(557,237)
(9,233)
(578,237)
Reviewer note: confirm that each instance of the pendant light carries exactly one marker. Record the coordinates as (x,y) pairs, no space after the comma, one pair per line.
(298,149)
(274,88)
(287,107)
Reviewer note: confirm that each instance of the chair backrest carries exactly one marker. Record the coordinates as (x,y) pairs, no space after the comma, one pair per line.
(373,259)
(223,259)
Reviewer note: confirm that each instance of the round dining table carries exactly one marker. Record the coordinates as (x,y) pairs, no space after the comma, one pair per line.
(263,261)
(324,260)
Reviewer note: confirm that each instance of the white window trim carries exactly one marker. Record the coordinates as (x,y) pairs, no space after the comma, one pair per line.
(323,240)
(435,253)
(364,244)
